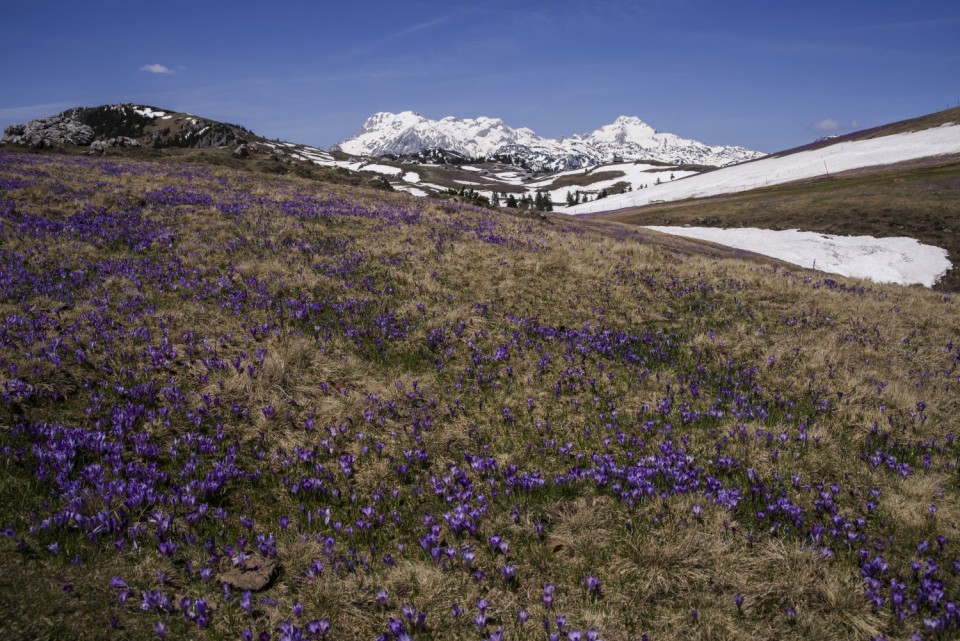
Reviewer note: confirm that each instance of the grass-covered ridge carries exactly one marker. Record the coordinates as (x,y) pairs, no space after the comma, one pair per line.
(442,422)
(915,199)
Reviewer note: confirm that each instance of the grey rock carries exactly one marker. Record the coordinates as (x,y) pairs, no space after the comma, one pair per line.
(99,146)
(54,131)
(123,141)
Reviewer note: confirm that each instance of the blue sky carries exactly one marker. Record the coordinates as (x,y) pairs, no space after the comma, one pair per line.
(765,75)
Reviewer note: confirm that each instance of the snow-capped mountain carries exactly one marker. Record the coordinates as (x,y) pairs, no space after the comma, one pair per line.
(627,138)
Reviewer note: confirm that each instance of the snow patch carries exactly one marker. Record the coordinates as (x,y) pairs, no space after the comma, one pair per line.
(148,112)
(416,191)
(883,260)
(382,169)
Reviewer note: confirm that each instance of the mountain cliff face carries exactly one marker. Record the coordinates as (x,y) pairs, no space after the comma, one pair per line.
(627,138)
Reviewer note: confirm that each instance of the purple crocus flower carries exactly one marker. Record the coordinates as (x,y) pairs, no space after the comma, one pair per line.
(480,620)
(593,585)
(319,627)
(547,598)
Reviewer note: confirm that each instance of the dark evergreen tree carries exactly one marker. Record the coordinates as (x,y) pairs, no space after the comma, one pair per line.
(512,201)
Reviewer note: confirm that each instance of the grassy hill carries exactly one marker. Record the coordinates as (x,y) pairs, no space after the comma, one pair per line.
(917,199)
(257,406)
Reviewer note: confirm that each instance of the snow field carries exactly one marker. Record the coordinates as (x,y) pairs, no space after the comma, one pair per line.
(883,260)
(806,164)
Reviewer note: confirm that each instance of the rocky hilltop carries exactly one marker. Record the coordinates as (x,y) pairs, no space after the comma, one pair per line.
(125,125)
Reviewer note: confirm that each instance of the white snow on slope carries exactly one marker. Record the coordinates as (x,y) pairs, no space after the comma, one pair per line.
(883,260)
(416,191)
(805,164)
(636,174)
(148,112)
(382,169)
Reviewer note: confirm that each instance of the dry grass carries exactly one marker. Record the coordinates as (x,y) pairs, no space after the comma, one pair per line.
(836,360)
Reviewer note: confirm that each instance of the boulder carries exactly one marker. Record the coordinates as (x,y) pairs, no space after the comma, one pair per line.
(99,146)
(379,182)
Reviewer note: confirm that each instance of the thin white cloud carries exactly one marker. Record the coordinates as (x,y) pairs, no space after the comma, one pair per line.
(825,125)
(156,69)
(36,111)
(425,25)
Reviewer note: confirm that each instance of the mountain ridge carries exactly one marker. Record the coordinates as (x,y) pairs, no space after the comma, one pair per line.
(627,138)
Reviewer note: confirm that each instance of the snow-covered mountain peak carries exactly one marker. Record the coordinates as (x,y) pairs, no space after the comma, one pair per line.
(627,138)
(623,130)
(386,121)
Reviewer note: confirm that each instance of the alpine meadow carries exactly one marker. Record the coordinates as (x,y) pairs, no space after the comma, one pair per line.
(256,406)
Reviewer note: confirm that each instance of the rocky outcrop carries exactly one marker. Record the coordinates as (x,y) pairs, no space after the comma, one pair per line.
(54,131)
(99,146)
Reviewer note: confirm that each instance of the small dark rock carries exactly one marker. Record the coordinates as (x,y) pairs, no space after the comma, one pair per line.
(379,182)
(254,574)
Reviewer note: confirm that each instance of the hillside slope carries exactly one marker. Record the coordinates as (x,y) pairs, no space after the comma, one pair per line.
(820,160)
(241,406)
(915,199)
